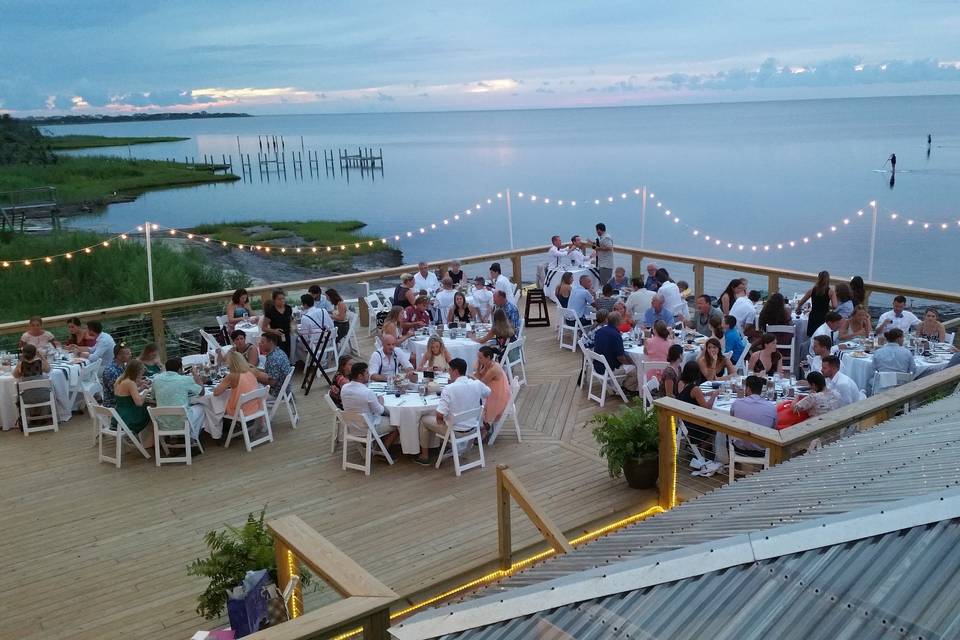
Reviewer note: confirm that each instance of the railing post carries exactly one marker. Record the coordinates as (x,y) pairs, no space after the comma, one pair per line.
(517,273)
(698,278)
(635,262)
(866,296)
(286,569)
(667,483)
(376,625)
(773,283)
(503,520)
(159,332)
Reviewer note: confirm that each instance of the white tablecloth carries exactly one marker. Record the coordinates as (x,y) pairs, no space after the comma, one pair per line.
(465,348)
(214,408)
(63,377)
(861,370)
(552,278)
(636,354)
(405,413)
(252,331)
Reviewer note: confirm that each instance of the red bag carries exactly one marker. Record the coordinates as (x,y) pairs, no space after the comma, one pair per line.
(786,416)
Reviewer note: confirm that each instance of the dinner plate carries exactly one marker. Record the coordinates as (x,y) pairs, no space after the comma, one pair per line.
(859,354)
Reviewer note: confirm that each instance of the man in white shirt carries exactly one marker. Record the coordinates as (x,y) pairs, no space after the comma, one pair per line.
(604,252)
(742,309)
(829,328)
(357,397)
(898,318)
(462,394)
(389,360)
(500,281)
(822,347)
(558,253)
(443,301)
(843,384)
(575,253)
(313,320)
(639,301)
(424,279)
(482,300)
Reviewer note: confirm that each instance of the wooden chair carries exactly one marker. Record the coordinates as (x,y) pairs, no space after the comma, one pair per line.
(162,430)
(357,428)
(48,420)
(285,397)
(466,423)
(112,425)
(245,420)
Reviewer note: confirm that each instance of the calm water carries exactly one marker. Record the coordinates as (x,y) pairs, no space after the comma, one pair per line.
(757,173)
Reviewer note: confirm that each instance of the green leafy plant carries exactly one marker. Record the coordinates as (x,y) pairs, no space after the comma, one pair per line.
(233,552)
(628,433)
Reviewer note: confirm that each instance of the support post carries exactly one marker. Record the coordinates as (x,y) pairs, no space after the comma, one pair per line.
(635,263)
(698,285)
(286,569)
(510,219)
(873,239)
(503,520)
(773,283)
(643,217)
(667,482)
(516,262)
(376,625)
(159,333)
(146,227)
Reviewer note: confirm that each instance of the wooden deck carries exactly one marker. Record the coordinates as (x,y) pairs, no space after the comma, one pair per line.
(89,551)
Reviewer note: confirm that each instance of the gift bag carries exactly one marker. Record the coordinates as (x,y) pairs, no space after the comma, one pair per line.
(248,604)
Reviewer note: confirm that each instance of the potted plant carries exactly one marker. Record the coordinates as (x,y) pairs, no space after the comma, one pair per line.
(233,552)
(629,439)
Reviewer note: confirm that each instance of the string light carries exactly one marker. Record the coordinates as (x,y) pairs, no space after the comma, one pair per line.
(66,255)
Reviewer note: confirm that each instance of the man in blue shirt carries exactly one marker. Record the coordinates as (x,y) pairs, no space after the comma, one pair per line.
(657,312)
(500,301)
(608,343)
(102,350)
(651,284)
(112,372)
(581,299)
(276,365)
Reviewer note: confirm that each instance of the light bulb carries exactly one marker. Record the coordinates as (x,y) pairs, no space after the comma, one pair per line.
(573,203)
(609,198)
(68,256)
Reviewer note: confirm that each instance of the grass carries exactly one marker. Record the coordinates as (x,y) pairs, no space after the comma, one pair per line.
(59,143)
(97,180)
(107,277)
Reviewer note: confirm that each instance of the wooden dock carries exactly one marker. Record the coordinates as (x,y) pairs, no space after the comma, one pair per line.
(90,551)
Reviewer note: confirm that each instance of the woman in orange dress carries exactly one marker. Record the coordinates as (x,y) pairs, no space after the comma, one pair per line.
(239,381)
(490,373)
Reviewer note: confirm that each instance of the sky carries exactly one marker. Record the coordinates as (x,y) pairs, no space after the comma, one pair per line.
(98,56)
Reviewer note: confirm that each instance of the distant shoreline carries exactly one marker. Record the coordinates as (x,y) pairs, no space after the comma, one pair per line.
(136,117)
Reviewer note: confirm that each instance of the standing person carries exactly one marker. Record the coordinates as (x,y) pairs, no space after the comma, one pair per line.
(313,321)
(276,319)
(822,298)
(670,292)
(500,281)
(858,290)
(490,373)
(639,301)
(339,314)
(729,295)
(558,252)
(173,389)
(604,249)
(893,162)
(462,394)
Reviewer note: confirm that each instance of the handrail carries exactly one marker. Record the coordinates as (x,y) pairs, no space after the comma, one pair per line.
(781,441)
(509,485)
(774,274)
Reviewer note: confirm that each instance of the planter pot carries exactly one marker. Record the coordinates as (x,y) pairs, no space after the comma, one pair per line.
(642,473)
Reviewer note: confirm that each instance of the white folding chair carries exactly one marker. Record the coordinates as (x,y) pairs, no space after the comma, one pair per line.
(285,397)
(90,382)
(586,362)
(576,329)
(212,344)
(162,430)
(245,420)
(512,358)
(741,361)
(222,322)
(374,306)
(647,387)
(337,421)
(47,421)
(735,457)
(195,359)
(357,428)
(510,411)
(683,434)
(786,350)
(350,343)
(466,423)
(949,337)
(607,378)
(111,424)
(886,380)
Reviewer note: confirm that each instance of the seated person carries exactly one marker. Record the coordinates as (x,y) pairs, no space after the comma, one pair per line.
(238,343)
(389,360)
(150,357)
(500,282)
(500,334)
(581,299)
(444,298)
(33,365)
(454,273)
(173,389)
(639,300)
(564,288)
(276,365)
(131,405)
(78,336)
(830,328)
(626,319)
(482,300)
(436,357)
(655,347)
(897,318)
(733,340)
(490,373)
(461,395)
(753,407)
(670,376)
(714,365)
(340,378)
(931,328)
(239,309)
(690,392)
(417,316)
(657,311)
(121,356)
(608,343)
(460,311)
(700,322)
(606,299)
(502,302)
(575,252)
(766,358)
(424,279)
(37,335)
(858,326)
(846,388)
(822,347)
(240,379)
(619,280)
(357,397)
(821,398)
(893,356)
(340,314)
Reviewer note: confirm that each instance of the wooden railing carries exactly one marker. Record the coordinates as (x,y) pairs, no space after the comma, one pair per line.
(508,485)
(366,601)
(156,310)
(787,442)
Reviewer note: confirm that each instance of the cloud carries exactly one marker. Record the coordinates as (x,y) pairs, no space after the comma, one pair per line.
(500,84)
(844,71)
(544,90)
(629,85)
(383,97)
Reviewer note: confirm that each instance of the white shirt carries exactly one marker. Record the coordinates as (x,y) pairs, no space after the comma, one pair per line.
(816,362)
(824,330)
(672,300)
(444,301)
(483,301)
(639,301)
(312,323)
(430,282)
(462,395)
(558,256)
(846,388)
(360,398)
(381,364)
(905,322)
(503,283)
(576,257)
(742,309)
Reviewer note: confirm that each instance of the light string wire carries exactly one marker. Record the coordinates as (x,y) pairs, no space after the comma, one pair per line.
(6,263)
(926,225)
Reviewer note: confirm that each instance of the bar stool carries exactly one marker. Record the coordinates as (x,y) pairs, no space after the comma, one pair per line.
(536,300)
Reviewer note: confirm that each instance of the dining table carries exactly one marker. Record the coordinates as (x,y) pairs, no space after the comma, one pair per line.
(856,361)
(408,404)
(64,377)
(455,340)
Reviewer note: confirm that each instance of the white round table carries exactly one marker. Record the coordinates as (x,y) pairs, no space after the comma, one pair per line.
(465,348)
(405,414)
(552,279)
(861,369)
(214,409)
(60,377)
(636,354)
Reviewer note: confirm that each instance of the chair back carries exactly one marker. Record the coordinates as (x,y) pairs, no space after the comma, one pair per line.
(260,395)
(212,344)
(222,322)
(91,372)
(597,359)
(466,420)
(40,383)
(786,349)
(179,412)
(653,366)
(883,380)
(513,352)
(355,423)
(108,420)
(194,359)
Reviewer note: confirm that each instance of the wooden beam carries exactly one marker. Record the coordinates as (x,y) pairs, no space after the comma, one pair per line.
(636,264)
(324,558)
(698,286)
(159,333)
(325,620)
(667,481)
(517,266)
(548,529)
(773,283)
(504,532)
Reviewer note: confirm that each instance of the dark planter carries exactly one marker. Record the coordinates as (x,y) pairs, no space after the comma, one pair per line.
(642,473)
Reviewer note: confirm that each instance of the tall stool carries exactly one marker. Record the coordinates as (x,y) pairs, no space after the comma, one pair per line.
(536,300)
